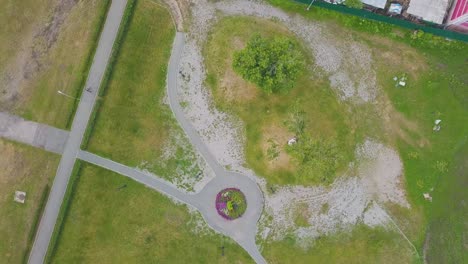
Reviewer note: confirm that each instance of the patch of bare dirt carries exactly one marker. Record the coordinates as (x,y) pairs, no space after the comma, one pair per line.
(29,62)
(398,55)
(235,89)
(279,136)
(397,126)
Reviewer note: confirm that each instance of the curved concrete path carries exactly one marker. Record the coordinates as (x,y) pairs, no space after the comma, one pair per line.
(242,230)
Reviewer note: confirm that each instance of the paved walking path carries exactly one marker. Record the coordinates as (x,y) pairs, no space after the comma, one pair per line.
(243,230)
(80,122)
(137,175)
(38,135)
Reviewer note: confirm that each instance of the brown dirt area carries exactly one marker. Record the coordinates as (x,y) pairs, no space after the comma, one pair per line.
(280,136)
(398,55)
(235,89)
(232,86)
(28,62)
(397,126)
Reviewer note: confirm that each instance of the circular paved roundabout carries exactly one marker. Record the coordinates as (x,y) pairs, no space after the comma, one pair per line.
(231,203)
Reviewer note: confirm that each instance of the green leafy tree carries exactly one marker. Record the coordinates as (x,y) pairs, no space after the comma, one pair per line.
(354,4)
(272,64)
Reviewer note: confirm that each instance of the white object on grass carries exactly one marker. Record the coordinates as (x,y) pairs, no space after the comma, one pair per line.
(20,197)
(428,197)
(292,141)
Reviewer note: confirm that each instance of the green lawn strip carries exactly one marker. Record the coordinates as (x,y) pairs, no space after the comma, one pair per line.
(65,68)
(361,245)
(132,124)
(325,116)
(123,28)
(24,169)
(115,219)
(36,221)
(64,211)
(448,230)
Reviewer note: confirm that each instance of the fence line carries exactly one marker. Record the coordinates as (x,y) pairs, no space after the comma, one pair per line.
(429,27)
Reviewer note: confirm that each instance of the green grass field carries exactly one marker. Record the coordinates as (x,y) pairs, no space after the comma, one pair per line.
(362,245)
(64,61)
(22,168)
(436,90)
(134,225)
(265,115)
(133,125)
(448,223)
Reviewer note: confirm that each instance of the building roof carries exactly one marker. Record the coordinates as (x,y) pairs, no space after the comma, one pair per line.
(429,10)
(460,8)
(375,3)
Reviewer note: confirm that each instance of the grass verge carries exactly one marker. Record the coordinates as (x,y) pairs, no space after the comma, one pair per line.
(64,211)
(128,13)
(37,219)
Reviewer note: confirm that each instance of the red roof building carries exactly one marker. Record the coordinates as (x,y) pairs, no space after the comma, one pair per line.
(458,16)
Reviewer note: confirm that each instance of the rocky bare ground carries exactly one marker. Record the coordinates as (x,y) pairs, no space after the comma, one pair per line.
(355,197)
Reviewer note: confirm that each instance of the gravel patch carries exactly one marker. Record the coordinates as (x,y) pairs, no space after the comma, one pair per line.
(382,172)
(350,199)
(347,62)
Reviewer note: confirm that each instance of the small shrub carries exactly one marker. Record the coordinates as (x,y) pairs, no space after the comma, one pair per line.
(272,64)
(317,158)
(296,121)
(273,150)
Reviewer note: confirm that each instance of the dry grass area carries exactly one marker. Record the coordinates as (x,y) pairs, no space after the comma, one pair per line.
(26,169)
(46,47)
